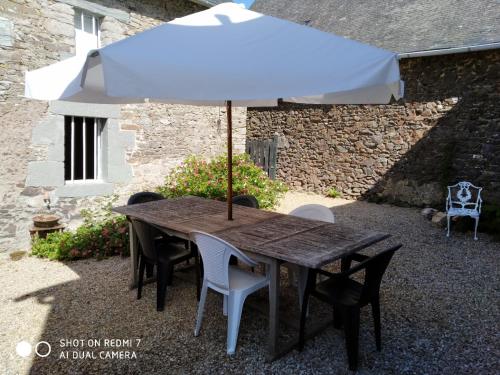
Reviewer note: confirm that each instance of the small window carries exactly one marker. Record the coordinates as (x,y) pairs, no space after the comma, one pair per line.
(87,31)
(82,148)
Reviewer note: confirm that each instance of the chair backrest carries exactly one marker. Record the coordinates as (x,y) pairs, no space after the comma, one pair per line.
(464,195)
(314,212)
(143,197)
(246,200)
(215,254)
(146,235)
(374,267)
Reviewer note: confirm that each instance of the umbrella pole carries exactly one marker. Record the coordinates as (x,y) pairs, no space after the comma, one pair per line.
(229,160)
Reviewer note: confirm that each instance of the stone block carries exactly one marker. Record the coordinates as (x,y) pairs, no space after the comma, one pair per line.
(56,27)
(82,109)
(45,173)
(130,127)
(47,131)
(117,170)
(439,219)
(6,33)
(31,191)
(84,190)
(62,8)
(428,212)
(36,202)
(92,7)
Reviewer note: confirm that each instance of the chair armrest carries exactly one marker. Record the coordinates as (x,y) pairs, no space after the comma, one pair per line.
(363,264)
(448,203)
(358,267)
(326,273)
(357,257)
(245,259)
(346,261)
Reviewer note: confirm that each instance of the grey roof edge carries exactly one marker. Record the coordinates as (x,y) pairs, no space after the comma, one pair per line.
(449,51)
(402,26)
(402,55)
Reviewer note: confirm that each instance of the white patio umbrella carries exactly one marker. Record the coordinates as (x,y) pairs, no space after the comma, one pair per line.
(224,55)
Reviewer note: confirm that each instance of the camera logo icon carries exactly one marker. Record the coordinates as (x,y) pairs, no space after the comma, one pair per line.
(24,349)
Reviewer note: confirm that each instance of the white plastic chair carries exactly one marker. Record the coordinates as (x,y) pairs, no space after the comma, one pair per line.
(233,282)
(464,199)
(314,212)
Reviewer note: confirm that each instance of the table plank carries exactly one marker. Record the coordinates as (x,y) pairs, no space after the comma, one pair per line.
(274,228)
(172,210)
(322,245)
(218,223)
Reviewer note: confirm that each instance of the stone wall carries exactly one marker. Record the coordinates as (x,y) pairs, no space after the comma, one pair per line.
(447,128)
(35,33)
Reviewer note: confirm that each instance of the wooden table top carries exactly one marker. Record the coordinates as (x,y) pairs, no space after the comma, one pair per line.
(305,242)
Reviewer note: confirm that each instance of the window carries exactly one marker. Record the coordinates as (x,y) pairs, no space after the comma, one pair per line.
(82,148)
(87,31)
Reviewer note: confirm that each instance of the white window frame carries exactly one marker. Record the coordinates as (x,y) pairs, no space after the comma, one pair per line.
(99,124)
(96,29)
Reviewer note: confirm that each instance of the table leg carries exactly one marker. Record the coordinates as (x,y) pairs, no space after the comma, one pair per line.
(134,256)
(197,270)
(274,293)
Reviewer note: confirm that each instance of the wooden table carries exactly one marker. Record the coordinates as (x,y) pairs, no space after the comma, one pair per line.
(268,237)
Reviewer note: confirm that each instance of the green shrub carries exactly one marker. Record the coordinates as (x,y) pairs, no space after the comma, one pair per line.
(196,176)
(333,193)
(101,235)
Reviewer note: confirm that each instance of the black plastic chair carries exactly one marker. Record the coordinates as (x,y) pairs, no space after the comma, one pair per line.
(246,200)
(160,253)
(144,196)
(149,196)
(348,296)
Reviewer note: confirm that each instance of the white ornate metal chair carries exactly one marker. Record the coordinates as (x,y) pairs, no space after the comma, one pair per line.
(464,199)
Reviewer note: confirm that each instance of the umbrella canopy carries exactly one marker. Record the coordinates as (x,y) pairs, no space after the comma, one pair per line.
(224,55)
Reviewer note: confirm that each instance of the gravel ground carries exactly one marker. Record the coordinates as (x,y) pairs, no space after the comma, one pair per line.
(440,312)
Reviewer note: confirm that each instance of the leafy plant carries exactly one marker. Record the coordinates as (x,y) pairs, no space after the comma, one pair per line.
(196,176)
(102,234)
(333,193)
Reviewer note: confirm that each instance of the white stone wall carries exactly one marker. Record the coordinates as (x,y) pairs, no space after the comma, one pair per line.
(144,143)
